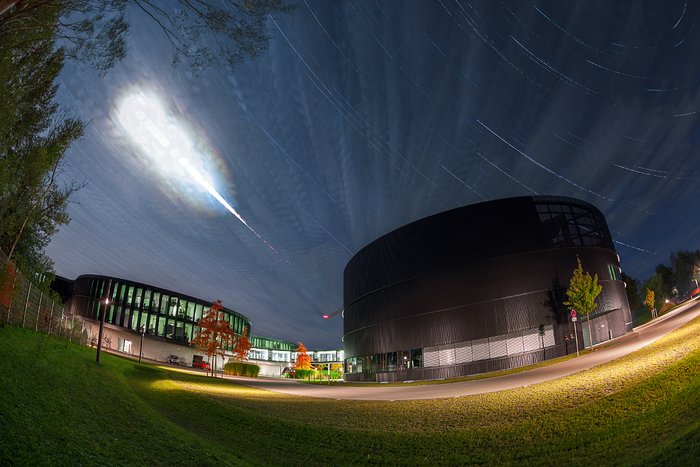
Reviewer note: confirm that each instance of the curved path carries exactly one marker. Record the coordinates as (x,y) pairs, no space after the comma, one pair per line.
(635,340)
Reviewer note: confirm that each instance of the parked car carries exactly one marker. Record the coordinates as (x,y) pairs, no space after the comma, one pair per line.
(201,364)
(172,359)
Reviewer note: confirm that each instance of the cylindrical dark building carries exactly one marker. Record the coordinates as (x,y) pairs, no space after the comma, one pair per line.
(478,288)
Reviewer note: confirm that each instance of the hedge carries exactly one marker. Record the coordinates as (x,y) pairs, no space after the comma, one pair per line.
(241,369)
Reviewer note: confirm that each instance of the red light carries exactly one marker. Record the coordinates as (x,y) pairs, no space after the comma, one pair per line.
(326,316)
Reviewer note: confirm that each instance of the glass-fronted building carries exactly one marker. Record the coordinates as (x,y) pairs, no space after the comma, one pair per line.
(168,321)
(162,313)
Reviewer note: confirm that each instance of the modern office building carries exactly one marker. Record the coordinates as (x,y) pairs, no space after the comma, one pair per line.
(167,319)
(478,288)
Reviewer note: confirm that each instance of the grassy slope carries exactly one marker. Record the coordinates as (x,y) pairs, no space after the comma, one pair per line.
(57,407)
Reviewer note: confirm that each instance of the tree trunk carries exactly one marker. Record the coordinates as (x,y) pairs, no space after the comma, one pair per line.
(6,5)
(590,333)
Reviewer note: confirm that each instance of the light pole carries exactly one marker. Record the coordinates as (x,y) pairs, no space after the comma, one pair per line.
(102,328)
(104,304)
(573,320)
(143,331)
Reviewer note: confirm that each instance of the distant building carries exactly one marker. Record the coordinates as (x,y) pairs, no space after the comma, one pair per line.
(478,289)
(169,320)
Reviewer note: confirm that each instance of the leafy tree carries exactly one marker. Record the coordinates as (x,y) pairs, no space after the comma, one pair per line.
(34,135)
(303,360)
(200,32)
(684,263)
(582,293)
(241,346)
(649,302)
(660,284)
(215,334)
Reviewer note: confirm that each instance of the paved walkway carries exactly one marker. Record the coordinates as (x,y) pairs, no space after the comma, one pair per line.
(638,338)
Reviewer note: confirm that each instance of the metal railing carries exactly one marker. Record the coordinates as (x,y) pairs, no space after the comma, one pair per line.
(24,304)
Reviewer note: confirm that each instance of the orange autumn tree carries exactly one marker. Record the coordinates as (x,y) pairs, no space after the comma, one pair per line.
(241,346)
(215,334)
(303,360)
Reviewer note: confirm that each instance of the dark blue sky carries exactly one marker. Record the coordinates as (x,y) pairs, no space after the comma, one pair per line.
(364,116)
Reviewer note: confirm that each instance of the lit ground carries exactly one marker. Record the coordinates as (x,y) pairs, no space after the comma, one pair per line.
(59,408)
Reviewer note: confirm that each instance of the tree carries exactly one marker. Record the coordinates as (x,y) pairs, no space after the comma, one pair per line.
(632,290)
(684,263)
(241,346)
(649,301)
(198,31)
(660,284)
(215,334)
(303,360)
(34,135)
(582,293)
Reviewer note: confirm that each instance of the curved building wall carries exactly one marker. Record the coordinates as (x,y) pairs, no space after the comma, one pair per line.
(163,313)
(468,290)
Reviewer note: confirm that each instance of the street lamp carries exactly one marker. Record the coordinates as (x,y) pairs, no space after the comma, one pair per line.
(102,328)
(143,331)
(105,302)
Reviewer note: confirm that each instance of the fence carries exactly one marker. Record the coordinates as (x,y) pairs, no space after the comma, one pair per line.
(24,304)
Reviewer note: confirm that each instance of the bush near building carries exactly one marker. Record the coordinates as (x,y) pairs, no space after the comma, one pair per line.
(241,369)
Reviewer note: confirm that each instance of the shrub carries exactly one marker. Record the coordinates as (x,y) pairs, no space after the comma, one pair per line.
(233,368)
(304,374)
(251,370)
(241,369)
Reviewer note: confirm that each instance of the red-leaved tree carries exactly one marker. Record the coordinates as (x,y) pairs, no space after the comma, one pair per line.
(303,360)
(241,346)
(215,334)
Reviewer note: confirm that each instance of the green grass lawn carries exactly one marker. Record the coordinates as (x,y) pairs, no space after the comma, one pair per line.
(58,407)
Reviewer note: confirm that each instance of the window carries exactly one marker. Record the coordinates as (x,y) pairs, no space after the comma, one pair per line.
(278,356)
(160,331)
(146,298)
(137,297)
(124,345)
(391,361)
(612,270)
(258,354)
(150,321)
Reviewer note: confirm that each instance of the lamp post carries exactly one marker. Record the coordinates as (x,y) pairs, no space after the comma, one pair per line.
(143,331)
(103,305)
(573,320)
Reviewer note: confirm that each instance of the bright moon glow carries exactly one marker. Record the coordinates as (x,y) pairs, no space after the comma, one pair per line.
(169,148)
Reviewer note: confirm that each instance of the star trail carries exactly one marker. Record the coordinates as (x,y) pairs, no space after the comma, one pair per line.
(364,116)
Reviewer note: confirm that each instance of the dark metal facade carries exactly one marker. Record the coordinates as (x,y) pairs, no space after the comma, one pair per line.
(477,280)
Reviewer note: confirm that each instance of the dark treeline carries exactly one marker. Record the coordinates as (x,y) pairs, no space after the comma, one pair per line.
(673,282)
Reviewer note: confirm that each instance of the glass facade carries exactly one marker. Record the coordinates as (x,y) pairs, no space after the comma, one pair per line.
(162,313)
(452,354)
(271,350)
(570,225)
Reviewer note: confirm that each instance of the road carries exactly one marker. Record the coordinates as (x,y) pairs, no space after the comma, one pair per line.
(635,340)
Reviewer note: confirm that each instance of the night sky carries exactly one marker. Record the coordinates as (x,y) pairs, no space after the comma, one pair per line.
(364,116)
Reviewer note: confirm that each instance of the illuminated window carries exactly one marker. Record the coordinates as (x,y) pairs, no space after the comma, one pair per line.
(124,345)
